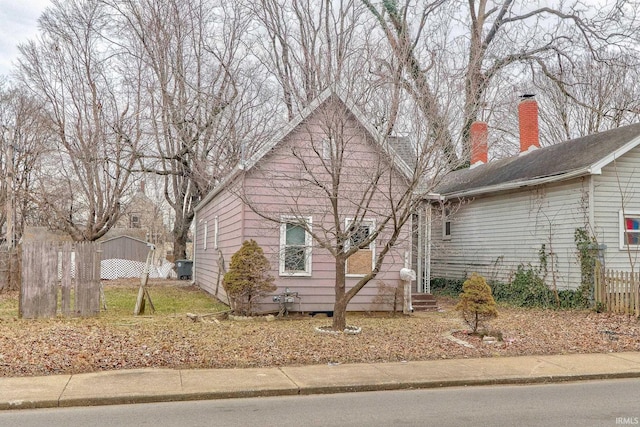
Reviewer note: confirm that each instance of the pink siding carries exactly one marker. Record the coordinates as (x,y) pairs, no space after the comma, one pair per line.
(274,185)
(317,291)
(228,208)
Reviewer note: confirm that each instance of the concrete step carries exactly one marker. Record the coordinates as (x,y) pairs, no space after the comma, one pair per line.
(424,302)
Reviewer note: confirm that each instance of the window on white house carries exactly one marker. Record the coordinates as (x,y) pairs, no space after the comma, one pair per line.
(204,235)
(361,262)
(629,229)
(135,221)
(446,223)
(215,232)
(295,247)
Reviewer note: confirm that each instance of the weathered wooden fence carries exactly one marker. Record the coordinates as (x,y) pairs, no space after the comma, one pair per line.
(617,291)
(69,269)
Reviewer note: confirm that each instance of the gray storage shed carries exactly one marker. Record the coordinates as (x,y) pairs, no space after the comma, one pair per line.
(125,247)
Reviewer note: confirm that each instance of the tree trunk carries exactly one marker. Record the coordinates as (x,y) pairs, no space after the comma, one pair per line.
(180,236)
(340,304)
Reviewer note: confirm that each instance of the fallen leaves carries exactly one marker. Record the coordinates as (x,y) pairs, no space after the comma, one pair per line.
(44,347)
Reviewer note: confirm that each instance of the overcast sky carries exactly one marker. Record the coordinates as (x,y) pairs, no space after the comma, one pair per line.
(18,23)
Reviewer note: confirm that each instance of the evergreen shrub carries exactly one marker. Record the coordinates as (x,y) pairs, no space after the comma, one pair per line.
(476,302)
(248,279)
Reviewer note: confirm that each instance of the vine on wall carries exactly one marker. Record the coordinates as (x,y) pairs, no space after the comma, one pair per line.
(587,256)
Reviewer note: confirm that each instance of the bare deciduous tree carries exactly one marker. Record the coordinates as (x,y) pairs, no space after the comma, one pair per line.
(190,55)
(496,39)
(23,138)
(587,96)
(310,45)
(93,113)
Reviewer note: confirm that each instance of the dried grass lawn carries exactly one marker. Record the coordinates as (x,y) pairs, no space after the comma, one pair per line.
(169,339)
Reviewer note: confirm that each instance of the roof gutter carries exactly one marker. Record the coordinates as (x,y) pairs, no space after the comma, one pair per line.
(520,184)
(434,197)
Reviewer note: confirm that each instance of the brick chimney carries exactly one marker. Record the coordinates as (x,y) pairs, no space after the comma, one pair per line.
(479,149)
(528,121)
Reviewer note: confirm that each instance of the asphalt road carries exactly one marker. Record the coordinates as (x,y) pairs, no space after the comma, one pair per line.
(587,403)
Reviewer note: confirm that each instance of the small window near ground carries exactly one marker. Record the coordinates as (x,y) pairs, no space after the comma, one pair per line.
(295,247)
(629,229)
(361,262)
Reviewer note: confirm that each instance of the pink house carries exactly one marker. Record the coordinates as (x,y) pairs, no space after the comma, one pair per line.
(330,171)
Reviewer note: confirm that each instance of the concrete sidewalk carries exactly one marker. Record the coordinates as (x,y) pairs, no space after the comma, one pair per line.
(159,385)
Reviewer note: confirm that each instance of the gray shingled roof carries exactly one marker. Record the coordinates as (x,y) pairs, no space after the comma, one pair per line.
(567,159)
(404,149)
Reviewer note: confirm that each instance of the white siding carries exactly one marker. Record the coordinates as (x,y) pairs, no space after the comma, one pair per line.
(492,235)
(620,179)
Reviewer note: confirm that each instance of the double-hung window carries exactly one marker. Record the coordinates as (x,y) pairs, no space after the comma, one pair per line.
(361,262)
(629,229)
(295,247)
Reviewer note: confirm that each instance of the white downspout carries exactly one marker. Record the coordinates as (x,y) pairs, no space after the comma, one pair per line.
(592,215)
(195,247)
(426,287)
(420,255)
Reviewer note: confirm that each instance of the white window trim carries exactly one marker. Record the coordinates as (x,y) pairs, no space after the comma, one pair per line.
(308,252)
(204,237)
(446,214)
(622,230)
(372,245)
(215,232)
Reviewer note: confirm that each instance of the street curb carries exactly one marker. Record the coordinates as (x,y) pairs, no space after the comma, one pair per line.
(174,397)
(466,383)
(304,391)
(29,404)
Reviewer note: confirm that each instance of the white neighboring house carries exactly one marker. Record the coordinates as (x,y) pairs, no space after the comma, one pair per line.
(502,213)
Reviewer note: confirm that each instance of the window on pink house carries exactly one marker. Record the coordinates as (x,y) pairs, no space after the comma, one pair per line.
(361,262)
(295,247)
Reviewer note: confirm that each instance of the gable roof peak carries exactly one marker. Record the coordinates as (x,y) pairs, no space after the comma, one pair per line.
(343,96)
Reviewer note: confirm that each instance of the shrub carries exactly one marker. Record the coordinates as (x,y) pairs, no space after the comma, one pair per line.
(527,289)
(587,255)
(248,279)
(476,302)
(450,287)
(570,299)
